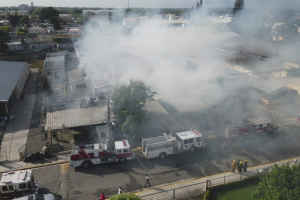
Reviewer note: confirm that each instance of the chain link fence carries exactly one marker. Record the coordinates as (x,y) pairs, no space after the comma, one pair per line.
(199,188)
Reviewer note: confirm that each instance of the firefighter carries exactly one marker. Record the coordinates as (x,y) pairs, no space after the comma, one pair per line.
(245,165)
(240,167)
(233,166)
(224,147)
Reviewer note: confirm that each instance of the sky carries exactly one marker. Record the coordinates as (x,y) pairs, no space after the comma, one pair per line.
(141,3)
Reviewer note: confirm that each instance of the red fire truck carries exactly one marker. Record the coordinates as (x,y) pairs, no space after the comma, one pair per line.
(17,183)
(94,154)
(247,128)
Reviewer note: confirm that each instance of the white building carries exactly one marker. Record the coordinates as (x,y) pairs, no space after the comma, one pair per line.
(23,7)
(35,30)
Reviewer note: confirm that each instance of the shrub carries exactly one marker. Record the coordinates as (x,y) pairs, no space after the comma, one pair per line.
(126,196)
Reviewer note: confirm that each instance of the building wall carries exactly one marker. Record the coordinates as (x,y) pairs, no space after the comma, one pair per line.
(39,47)
(23,7)
(17,47)
(21,82)
(34,30)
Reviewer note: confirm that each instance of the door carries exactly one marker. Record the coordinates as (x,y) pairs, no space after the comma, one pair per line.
(188,143)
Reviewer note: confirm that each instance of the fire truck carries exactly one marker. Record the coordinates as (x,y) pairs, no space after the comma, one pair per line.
(17,183)
(247,128)
(94,154)
(165,145)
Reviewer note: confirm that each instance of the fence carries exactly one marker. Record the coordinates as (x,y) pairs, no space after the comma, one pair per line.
(198,188)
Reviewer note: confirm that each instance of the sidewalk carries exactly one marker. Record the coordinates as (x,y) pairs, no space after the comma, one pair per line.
(15,135)
(7,166)
(197,185)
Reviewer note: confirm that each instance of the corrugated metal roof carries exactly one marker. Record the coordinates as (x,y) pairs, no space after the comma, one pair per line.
(55,59)
(75,72)
(76,117)
(9,76)
(58,53)
(48,66)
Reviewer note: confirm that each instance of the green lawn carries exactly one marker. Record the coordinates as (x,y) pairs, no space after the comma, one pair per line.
(37,64)
(240,193)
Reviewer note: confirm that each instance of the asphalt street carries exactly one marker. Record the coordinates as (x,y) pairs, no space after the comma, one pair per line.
(77,183)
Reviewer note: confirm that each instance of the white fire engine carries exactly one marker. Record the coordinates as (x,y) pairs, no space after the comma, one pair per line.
(17,183)
(166,145)
(247,128)
(94,154)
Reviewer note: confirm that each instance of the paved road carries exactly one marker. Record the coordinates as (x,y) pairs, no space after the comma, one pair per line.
(77,183)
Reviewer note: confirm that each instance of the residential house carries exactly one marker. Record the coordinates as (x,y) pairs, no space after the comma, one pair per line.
(16,46)
(35,30)
(65,40)
(4,22)
(78,81)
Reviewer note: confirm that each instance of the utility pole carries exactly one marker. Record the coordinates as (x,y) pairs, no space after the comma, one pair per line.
(109,133)
(232,107)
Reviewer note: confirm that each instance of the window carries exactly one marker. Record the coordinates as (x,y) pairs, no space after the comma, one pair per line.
(79,86)
(198,139)
(4,189)
(11,187)
(29,185)
(260,125)
(125,150)
(186,141)
(49,73)
(191,140)
(268,124)
(22,186)
(119,151)
(103,135)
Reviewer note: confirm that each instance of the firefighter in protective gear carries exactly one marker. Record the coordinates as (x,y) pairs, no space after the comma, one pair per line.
(240,167)
(233,166)
(245,165)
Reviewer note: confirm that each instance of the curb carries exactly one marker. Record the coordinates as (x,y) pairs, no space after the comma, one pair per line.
(34,167)
(62,153)
(137,192)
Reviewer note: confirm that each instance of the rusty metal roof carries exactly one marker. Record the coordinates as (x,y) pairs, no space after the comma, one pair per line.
(75,117)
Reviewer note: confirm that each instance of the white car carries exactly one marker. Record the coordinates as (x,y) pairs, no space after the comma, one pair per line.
(37,197)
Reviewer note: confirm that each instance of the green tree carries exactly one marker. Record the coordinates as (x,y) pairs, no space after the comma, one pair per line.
(14,19)
(82,19)
(36,11)
(128,102)
(238,6)
(3,46)
(22,31)
(56,22)
(282,183)
(47,13)
(25,20)
(125,196)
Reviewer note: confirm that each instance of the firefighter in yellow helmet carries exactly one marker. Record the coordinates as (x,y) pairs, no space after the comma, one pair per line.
(240,167)
(233,166)
(245,165)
